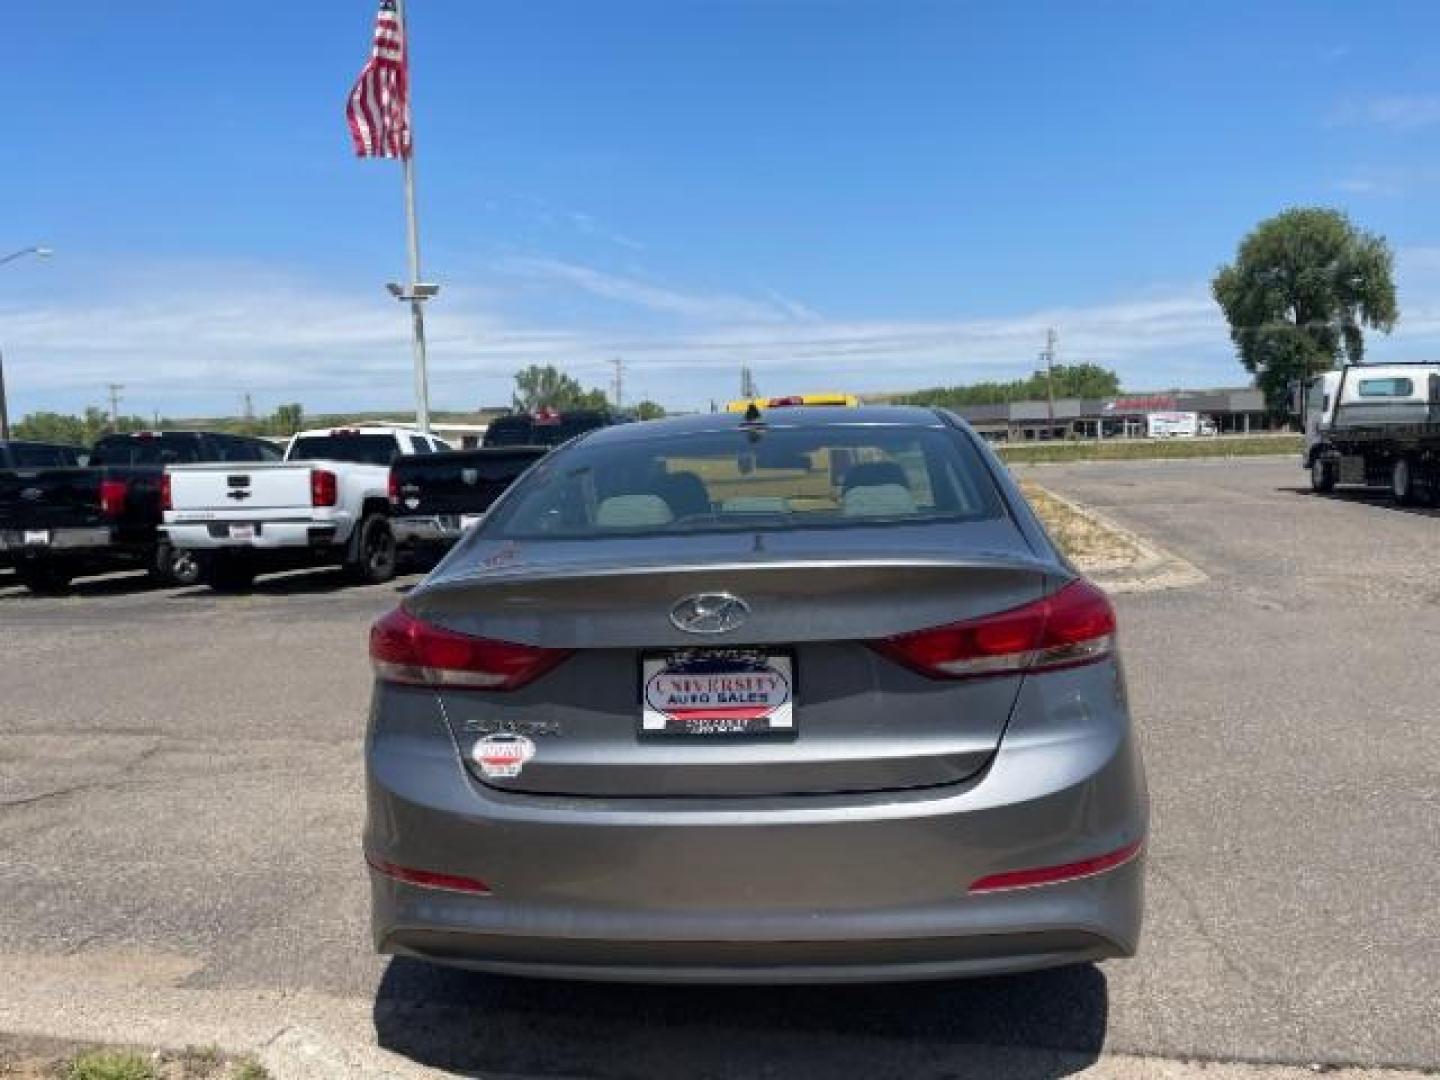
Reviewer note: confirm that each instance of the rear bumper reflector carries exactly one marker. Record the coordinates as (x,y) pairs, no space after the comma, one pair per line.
(1053,875)
(428,878)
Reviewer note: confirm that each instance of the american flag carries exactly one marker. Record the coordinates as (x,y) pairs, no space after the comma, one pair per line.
(379,106)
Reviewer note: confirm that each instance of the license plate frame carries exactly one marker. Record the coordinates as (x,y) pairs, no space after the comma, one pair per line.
(743,693)
(242,532)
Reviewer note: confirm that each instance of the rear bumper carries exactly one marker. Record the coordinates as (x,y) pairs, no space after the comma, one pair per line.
(41,541)
(792,889)
(426,530)
(268,535)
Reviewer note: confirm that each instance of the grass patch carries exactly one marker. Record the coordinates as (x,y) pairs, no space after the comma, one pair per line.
(1149,449)
(109,1065)
(250,1070)
(1089,543)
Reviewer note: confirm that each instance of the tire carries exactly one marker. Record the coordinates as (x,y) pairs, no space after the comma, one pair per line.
(175,566)
(1402,482)
(228,573)
(375,555)
(44,578)
(1322,476)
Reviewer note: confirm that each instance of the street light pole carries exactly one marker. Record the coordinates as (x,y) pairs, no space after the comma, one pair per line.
(40,253)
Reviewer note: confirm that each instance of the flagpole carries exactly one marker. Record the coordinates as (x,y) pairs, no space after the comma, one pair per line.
(412,235)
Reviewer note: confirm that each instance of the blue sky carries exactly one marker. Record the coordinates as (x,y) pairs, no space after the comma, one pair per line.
(852,195)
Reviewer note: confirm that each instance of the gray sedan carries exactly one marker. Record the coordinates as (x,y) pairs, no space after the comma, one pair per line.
(800,696)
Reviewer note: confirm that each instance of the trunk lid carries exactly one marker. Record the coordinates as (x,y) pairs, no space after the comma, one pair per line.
(861,722)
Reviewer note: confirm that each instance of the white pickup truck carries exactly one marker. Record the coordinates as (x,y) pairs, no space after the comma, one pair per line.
(326,503)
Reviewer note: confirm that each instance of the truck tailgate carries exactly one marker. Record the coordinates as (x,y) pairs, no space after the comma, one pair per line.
(239,489)
(461,481)
(49,498)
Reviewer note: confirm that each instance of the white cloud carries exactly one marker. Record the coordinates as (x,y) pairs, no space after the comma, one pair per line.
(1396,112)
(193,349)
(1389,182)
(636,292)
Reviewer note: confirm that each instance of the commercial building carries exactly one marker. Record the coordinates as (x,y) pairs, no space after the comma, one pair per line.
(1234,411)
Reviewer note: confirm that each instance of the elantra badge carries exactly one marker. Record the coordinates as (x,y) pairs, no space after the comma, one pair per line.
(709,613)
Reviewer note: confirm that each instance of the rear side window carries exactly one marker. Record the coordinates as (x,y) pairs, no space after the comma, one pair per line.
(360,449)
(42,457)
(420,446)
(163,449)
(1382,388)
(784,478)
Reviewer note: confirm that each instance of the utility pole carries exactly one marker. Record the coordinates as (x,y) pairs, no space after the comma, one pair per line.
(4,410)
(40,253)
(747,382)
(1049,357)
(248,411)
(114,389)
(619,383)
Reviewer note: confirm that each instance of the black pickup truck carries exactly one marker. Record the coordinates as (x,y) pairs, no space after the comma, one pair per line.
(57,523)
(435,497)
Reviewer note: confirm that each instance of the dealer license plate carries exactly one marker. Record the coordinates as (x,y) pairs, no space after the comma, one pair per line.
(36,538)
(242,532)
(704,692)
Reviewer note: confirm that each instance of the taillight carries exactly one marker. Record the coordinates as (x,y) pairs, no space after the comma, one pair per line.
(167,494)
(112,498)
(1073,627)
(404,649)
(323,489)
(393,488)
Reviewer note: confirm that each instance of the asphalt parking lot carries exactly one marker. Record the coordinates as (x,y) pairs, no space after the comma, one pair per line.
(180,808)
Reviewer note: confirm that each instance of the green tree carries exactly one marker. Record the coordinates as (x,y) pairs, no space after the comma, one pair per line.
(286,420)
(1080,381)
(649,410)
(1302,286)
(547,387)
(75,430)
(1071,380)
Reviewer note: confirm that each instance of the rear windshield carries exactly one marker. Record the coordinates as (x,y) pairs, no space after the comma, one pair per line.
(783,478)
(148,450)
(361,449)
(1386,388)
(40,456)
(527,431)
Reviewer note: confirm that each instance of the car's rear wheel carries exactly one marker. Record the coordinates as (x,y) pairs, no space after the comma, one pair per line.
(175,566)
(1322,476)
(228,573)
(1402,482)
(45,578)
(375,557)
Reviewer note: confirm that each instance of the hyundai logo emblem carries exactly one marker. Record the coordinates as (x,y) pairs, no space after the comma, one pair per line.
(31,494)
(709,613)
(470,476)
